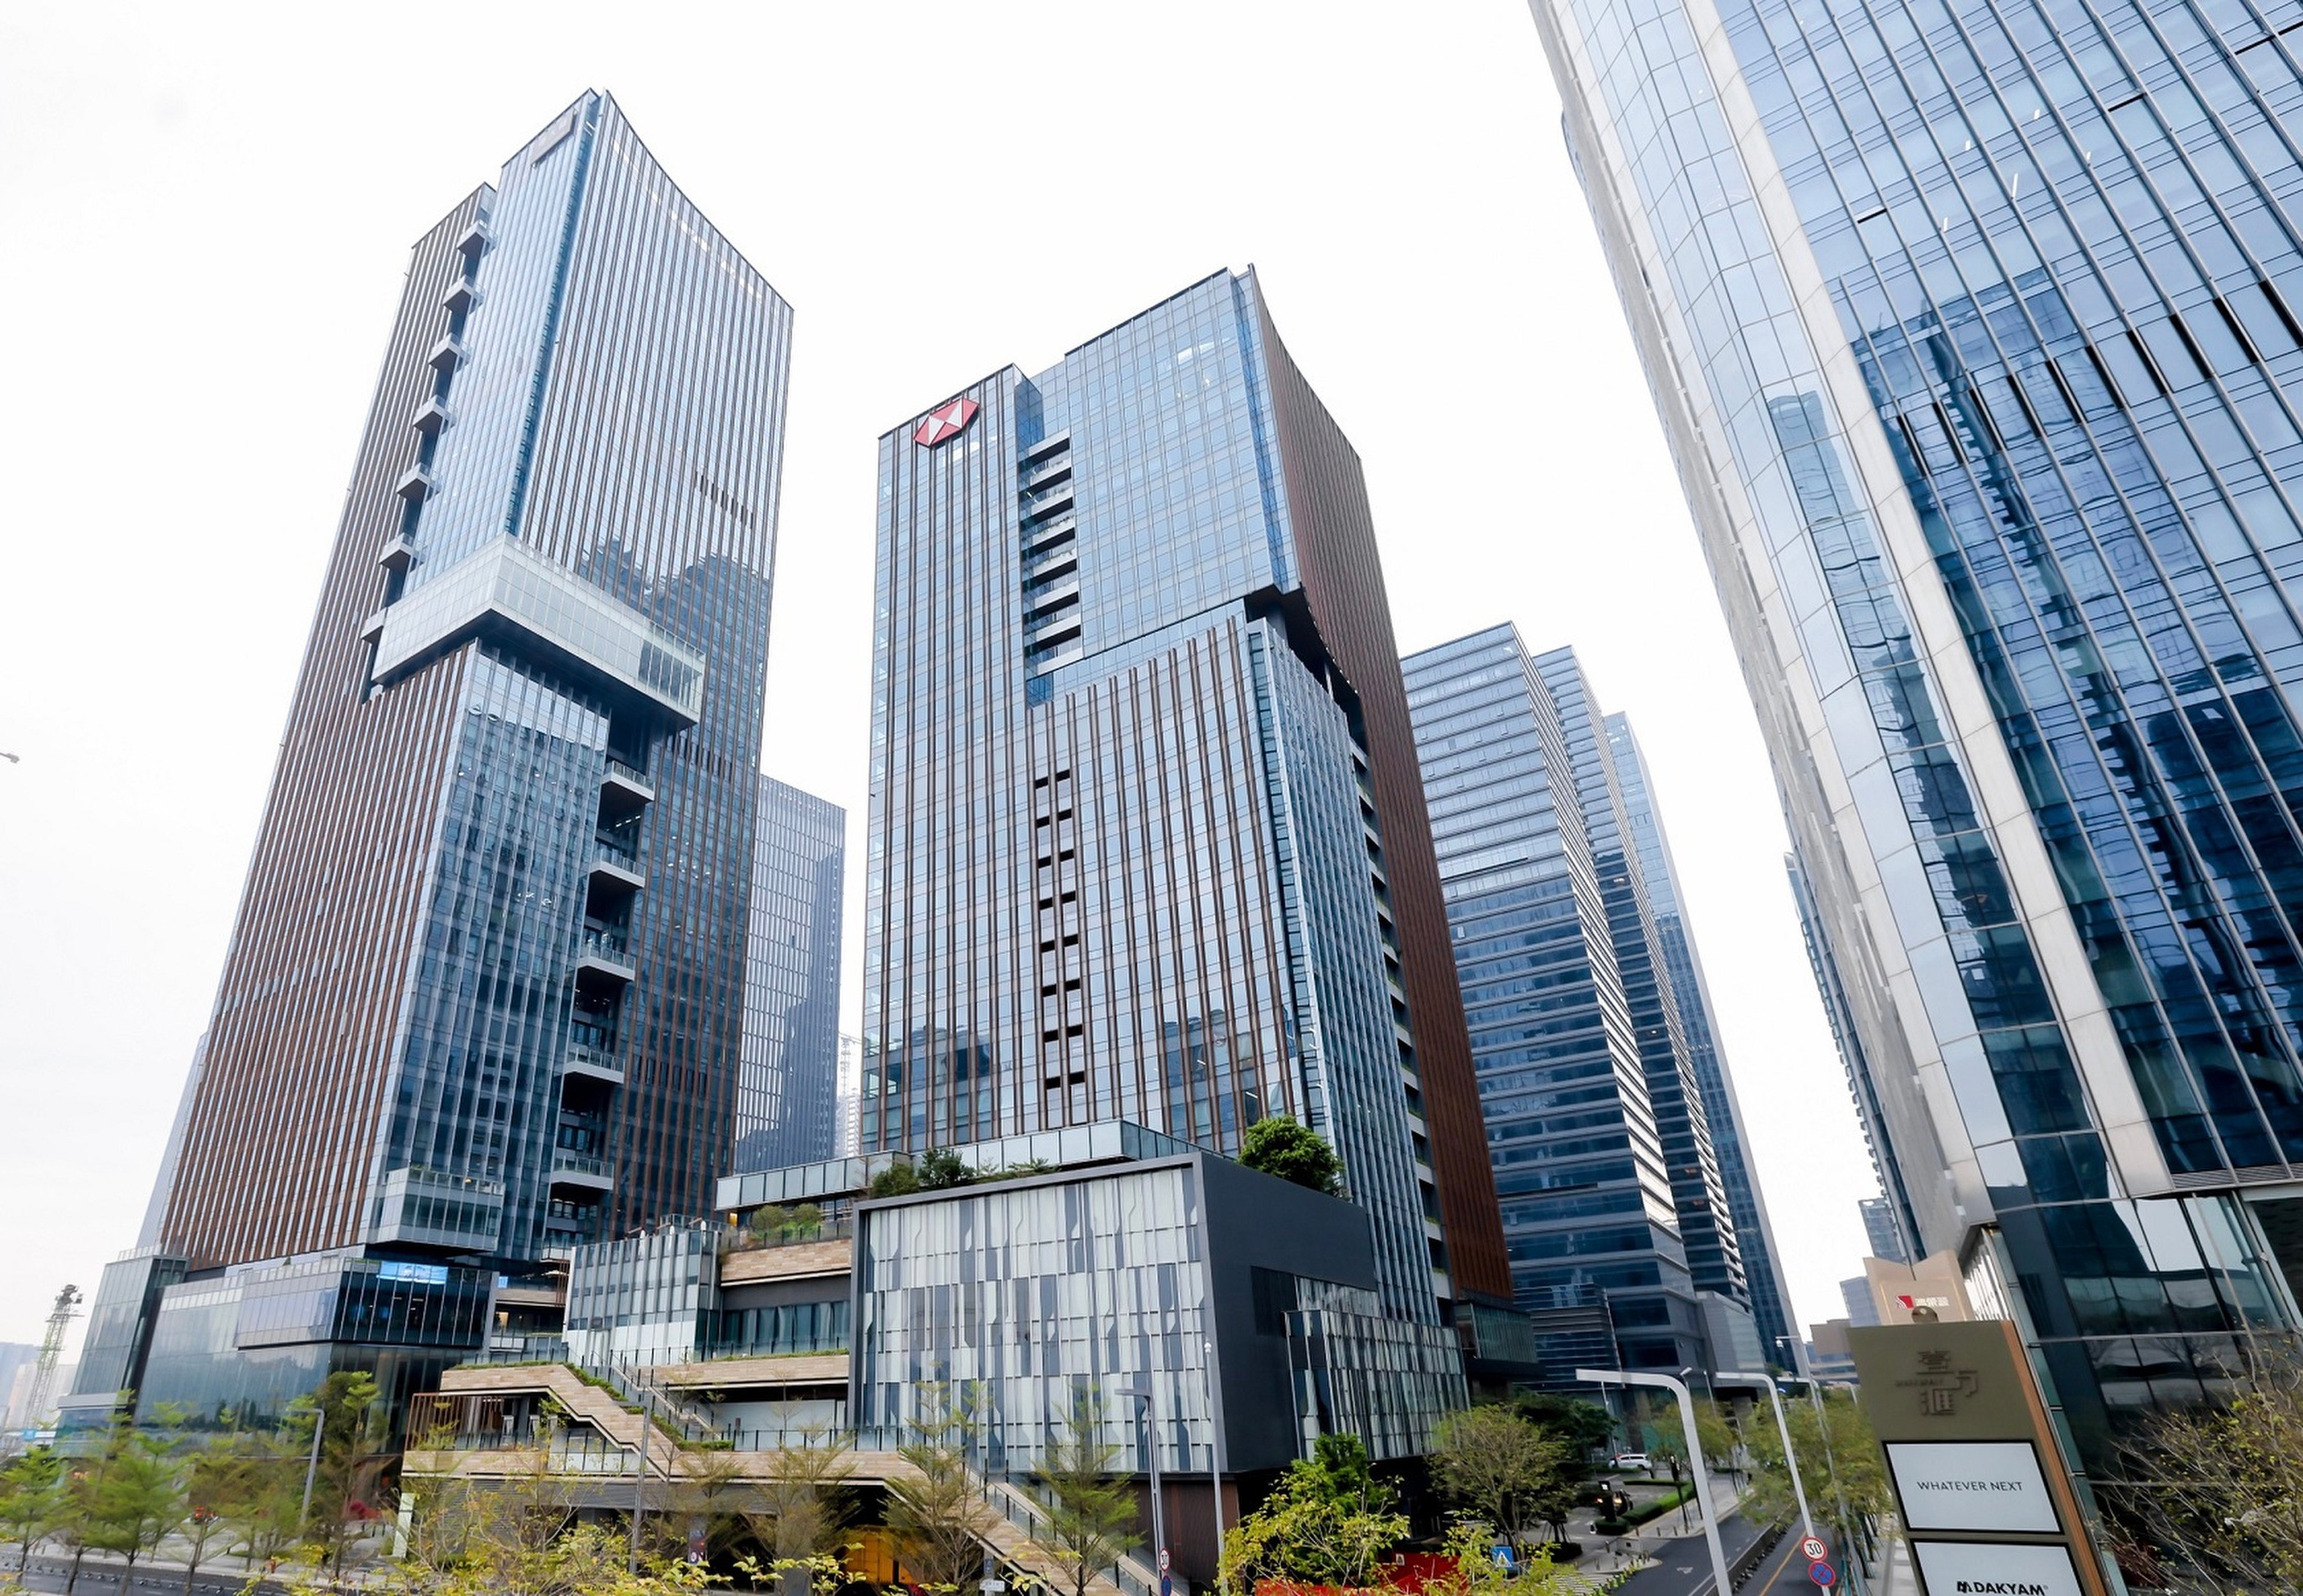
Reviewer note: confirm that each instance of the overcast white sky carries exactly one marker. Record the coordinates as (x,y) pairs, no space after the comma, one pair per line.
(205,214)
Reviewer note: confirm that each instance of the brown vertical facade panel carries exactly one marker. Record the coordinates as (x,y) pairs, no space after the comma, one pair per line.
(279,1146)
(1342,577)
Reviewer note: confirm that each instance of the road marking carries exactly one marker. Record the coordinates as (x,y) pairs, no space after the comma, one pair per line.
(1777,1575)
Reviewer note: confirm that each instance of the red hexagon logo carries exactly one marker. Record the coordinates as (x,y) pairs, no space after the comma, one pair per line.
(945,422)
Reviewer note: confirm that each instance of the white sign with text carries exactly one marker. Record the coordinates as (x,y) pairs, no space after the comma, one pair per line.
(1973,1568)
(1981,1485)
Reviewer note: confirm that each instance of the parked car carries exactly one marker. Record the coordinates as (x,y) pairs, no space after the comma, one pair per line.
(1629,1461)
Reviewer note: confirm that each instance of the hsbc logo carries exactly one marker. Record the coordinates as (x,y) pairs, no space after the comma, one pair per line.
(945,422)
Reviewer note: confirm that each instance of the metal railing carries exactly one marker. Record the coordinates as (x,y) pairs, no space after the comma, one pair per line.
(735,1238)
(630,772)
(636,1385)
(568,1159)
(608,944)
(1018,1503)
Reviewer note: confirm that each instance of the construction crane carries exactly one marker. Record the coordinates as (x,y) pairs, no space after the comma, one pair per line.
(51,1349)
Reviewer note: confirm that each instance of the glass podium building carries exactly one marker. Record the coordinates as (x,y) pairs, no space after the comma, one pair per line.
(1974,332)
(1146,837)
(484,997)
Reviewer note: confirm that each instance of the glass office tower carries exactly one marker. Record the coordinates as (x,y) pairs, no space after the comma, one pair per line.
(1754,1238)
(1146,839)
(1974,331)
(787,1100)
(1595,1120)
(484,997)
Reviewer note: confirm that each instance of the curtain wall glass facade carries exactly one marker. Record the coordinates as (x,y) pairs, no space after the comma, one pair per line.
(1755,1239)
(1974,329)
(1139,845)
(786,1100)
(484,995)
(1581,1169)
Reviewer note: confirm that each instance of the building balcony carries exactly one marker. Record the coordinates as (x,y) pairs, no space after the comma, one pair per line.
(415,483)
(614,870)
(624,790)
(1040,537)
(593,1063)
(1039,601)
(1048,473)
(1047,504)
(604,956)
(398,555)
(475,238)
(1048,445)
(431,416)
(461,296)
(586,1171)
(447,354)
(1048,630)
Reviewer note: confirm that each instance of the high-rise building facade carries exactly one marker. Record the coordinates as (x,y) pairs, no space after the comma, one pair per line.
(484,997)
(1146,841)
(787,1100)
(1714,1255)
(1755,1238)
(1880,1230)
(1596,1132)
(1974,327)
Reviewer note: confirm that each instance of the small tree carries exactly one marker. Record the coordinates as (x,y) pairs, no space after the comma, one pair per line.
(1496,1465)
(1327,1522)
(32,1499)
(349,1480)
(898,1180)
(941,1169)
(807,1505)
(140,1497)
(1294,1153)
(211,1482)
(1716,1432)
(1846,1481)
(262,1497)
(1582,1427)
(1091,1513)
(934,1512)
(1473,1570)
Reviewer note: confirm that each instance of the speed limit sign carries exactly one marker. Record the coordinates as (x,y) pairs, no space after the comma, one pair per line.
(1813,1550)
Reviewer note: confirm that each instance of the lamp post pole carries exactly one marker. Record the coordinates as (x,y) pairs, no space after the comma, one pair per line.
(1791,1458)
(639,1477)
(1142,1393)
(1215,1455)
(1665,1382)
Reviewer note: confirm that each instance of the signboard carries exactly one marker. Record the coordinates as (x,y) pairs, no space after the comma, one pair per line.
(1813,1550)
(1823,1574)
(1983,1568)
(1980,1485)
(1971,1456)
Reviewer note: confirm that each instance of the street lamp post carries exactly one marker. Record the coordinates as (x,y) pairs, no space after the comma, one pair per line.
(1142,1393)
(1694,1456)
(1215,1455)
(1791,1458)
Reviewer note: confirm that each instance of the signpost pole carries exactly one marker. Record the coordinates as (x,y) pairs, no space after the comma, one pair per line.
(1724,1586)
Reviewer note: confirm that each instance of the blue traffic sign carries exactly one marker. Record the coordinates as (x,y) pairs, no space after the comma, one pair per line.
(1823,1574)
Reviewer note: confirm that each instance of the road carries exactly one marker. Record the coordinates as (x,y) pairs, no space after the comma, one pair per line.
(1685,1568)
(103,1577)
